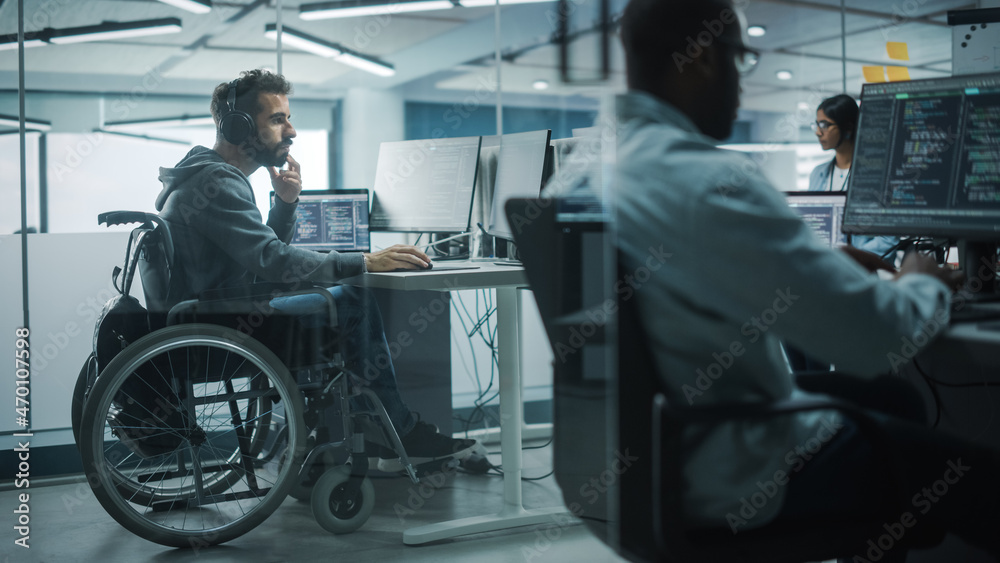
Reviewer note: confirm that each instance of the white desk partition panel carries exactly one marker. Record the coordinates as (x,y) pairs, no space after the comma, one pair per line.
(11,320)
(69,280)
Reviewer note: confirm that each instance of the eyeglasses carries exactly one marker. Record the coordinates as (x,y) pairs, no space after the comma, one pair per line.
(822,126)
(746,58)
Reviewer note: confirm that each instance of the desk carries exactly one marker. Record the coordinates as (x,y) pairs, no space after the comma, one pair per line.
(964,354)
(506,280)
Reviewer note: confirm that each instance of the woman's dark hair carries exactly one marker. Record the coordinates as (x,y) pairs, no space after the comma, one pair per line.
(842,110)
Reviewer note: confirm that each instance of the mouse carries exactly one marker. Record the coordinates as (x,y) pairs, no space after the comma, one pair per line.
(430,266)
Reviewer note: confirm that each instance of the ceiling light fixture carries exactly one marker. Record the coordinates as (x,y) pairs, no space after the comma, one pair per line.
(356,8)
(303,41)
(478,3)
(144,137)
(366,63)
(330,49)
(784,75)
(196,6)
(29,124)
(142,124)
(756,31)
(540,84)
(114,30)
(9,42)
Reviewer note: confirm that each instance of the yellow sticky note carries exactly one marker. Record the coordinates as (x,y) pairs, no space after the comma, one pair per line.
(874,73)
(897,51)
(897,73)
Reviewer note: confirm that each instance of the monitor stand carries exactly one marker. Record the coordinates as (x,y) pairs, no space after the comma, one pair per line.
(978,260)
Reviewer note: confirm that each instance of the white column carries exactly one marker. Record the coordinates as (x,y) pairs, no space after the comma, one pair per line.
(369,118)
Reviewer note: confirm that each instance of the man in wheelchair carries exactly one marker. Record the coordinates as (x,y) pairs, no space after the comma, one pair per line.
(220,241)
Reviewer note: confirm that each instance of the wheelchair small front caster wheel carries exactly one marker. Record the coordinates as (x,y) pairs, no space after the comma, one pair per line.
(335,509)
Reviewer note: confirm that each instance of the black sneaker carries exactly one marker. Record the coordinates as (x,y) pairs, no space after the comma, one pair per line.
(423,445)
(384,456)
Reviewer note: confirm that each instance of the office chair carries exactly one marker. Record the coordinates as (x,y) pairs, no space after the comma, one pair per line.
(644,519)
(672,537)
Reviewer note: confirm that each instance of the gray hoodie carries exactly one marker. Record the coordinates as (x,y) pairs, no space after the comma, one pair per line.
(220,239)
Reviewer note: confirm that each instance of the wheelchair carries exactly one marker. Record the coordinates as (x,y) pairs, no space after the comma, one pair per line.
(195,432)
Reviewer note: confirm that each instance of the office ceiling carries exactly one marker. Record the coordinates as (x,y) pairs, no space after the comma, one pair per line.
(449,51)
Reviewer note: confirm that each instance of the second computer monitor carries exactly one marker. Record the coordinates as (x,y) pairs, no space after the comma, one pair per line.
(520,173)
(823,212)
(425,186)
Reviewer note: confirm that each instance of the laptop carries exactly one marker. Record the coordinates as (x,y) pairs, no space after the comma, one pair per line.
(332,220)
(823,211)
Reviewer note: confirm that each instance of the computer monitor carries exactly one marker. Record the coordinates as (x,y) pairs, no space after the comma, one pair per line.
(927,163)
(823,211)
(425,186)
(521,168)
(331,220)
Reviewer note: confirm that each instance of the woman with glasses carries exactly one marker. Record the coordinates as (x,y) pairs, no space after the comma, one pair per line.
(836,128)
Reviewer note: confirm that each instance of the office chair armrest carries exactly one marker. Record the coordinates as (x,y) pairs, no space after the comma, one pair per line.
(668,445)
(723,412)
(676,539)
(676,417)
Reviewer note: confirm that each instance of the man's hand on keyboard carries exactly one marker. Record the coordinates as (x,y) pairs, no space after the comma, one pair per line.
(916,263)
(395,257)
(868,260)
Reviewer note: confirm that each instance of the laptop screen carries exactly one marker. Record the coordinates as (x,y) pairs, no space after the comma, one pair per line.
(823,211)
(328,220)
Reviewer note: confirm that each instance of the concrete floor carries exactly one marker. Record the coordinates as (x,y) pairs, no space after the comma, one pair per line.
(68,524)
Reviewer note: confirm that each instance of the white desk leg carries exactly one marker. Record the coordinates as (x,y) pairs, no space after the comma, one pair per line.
(513,513)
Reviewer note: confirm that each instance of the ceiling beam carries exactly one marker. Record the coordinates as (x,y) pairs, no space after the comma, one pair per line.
(188,51)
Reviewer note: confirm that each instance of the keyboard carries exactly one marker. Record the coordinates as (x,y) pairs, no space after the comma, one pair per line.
(437,269)
(967,311)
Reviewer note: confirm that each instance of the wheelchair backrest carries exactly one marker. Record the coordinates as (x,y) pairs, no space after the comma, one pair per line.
(151,251)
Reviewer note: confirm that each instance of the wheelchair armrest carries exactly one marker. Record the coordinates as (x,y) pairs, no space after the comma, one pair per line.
(245,300)
(247,292)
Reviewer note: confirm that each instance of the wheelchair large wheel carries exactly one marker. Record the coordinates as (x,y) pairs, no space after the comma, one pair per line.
(87,376)
(172,428)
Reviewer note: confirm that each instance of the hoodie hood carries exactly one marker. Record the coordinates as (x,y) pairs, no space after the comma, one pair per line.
(194,162)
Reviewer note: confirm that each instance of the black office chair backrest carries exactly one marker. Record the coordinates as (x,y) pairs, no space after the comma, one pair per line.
(638,385)
(562,261)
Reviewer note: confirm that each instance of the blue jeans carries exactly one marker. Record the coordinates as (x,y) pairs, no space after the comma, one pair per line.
(367,352)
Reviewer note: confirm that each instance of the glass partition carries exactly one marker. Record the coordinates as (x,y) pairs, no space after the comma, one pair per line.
(120,107)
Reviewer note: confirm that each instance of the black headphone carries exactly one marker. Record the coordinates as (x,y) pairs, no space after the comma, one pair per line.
(236,126)
(845,137)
